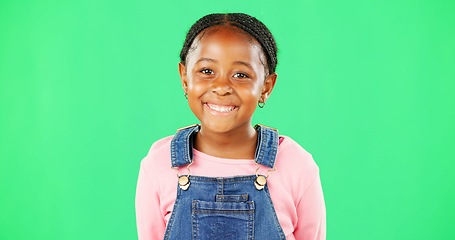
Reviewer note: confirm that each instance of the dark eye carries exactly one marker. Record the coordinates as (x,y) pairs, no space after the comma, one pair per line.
(207,71)
(240,75)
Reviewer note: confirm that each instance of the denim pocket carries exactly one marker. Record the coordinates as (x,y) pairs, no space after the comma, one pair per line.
(222,220)
(231,198)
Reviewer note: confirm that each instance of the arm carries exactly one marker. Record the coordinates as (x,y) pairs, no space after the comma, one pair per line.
(150,222)
(311,213)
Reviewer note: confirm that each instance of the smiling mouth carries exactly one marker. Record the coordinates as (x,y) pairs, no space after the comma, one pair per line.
(220,108)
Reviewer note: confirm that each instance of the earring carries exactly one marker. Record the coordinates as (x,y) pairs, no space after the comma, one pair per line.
(185,95)
(261,103)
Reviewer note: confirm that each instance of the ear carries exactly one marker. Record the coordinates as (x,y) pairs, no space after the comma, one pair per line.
(269,83)
(183,78)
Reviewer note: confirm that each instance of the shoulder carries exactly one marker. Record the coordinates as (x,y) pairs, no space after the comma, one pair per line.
(294,152)
(295,161)
(295,169)
(158,156)
(160,146)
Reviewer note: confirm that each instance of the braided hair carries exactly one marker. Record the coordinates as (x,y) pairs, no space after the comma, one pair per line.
(245,22)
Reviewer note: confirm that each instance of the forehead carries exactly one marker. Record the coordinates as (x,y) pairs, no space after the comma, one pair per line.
(226,42)
(226,30)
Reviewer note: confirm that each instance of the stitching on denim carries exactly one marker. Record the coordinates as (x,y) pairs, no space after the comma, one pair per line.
(173,154)
(194,225)
(267,146)
(275,217)
(227,180)
(171,219)
(182,155)
(250,234)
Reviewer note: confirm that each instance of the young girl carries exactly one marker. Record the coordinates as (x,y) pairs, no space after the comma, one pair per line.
(224,178)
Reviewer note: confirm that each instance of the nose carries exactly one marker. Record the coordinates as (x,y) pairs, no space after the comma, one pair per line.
(222,86)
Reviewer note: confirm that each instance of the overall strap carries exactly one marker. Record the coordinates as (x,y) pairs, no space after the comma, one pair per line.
(267,146)
(266,149)
(182,146)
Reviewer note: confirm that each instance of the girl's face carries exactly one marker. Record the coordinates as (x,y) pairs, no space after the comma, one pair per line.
(225,78)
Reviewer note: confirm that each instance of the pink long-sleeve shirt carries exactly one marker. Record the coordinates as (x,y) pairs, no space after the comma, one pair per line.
(295,188)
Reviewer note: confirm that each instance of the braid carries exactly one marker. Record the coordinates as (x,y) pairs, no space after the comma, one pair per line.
(245,22)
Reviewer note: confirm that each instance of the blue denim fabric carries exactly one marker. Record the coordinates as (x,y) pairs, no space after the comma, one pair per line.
(223,208)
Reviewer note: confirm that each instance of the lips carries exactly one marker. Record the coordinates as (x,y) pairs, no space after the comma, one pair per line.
(220,108)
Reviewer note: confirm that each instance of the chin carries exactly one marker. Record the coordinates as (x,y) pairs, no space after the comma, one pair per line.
(217,127)
(221,127)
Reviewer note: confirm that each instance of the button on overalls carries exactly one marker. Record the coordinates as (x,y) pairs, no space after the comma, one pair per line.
(227,208)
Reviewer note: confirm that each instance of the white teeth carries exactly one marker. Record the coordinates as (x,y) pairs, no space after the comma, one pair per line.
(218,108)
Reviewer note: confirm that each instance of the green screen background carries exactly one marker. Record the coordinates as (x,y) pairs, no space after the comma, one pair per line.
(87,86)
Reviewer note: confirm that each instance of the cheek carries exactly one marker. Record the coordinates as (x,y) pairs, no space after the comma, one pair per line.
(192,84)
(250,93)
(195,87)
(257,89)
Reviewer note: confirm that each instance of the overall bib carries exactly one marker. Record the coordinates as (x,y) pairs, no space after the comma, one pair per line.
(230,208)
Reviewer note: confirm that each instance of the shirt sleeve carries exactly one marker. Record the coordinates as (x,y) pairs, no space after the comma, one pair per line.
(150,222)
(311,223)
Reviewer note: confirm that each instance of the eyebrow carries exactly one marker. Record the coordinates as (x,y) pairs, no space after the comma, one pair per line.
(243,63)
(235,62)
(207,60)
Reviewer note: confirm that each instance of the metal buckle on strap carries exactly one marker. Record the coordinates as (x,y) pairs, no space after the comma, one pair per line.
(261,180)
(184,180)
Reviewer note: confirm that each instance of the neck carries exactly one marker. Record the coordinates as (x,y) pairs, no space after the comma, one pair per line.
(235,144)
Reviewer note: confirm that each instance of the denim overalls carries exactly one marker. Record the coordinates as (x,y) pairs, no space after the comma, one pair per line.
(231,208)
